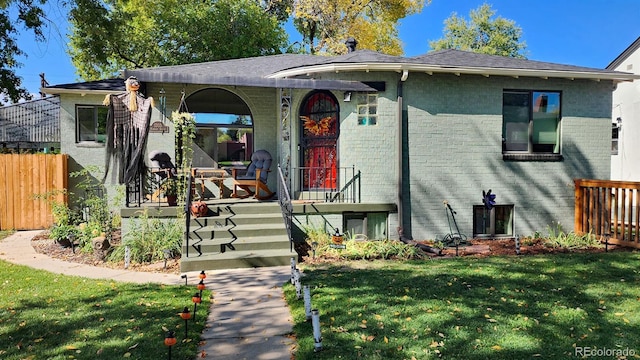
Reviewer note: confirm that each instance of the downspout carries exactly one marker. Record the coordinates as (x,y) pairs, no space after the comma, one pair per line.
(400,160)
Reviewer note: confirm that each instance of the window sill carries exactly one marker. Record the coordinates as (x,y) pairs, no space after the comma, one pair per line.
(90,144)
(531,157)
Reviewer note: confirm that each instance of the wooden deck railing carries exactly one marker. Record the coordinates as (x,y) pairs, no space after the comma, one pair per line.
(608,209)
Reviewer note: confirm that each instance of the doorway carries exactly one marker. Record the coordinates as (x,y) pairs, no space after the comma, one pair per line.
(319,132)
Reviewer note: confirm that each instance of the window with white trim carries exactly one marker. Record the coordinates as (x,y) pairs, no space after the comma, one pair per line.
(367,109)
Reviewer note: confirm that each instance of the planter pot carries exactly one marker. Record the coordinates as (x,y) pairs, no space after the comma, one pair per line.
(172,200)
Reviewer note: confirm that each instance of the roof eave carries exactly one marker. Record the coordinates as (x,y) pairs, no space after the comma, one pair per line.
(431,69)
(81,92)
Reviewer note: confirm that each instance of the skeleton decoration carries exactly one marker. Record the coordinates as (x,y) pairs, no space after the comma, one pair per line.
(127,131)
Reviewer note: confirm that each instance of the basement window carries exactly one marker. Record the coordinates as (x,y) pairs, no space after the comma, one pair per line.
(373,225)
(494,223)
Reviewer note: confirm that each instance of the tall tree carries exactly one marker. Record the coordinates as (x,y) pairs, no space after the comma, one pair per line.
(30,14)
(482,34)
(110,35)
(326,24)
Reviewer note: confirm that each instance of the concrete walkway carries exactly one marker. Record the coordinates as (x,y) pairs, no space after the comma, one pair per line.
(249,318)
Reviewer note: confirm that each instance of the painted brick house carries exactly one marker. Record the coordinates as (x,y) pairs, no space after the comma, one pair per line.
(420,131)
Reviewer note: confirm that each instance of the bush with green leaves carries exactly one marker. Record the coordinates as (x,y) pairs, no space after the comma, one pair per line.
(358,249)
(149,238)
(558,238)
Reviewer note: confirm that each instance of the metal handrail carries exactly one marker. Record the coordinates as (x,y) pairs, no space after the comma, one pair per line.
(284,198)
(350,192)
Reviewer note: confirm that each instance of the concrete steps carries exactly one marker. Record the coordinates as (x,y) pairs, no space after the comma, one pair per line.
(238,235)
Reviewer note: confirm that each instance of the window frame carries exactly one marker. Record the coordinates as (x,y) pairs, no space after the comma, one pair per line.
(97,110)
(493,218)
(365,102)
(530,154)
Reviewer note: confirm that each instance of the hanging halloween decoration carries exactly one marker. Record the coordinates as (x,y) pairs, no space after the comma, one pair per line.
(127,131)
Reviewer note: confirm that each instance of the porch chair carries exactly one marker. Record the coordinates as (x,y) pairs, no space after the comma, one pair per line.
(254,180)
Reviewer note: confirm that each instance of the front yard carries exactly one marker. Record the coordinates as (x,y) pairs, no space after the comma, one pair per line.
(498,307)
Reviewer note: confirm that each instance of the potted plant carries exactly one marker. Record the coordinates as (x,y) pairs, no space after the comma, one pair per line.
(170,189)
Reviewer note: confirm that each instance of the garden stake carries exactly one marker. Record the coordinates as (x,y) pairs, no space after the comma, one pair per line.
(293,269)
(307,302)
(185,315)
(196,300)
(317,334)
(170,340)
(201,287)
(298,285)
(185,279)
(517,245)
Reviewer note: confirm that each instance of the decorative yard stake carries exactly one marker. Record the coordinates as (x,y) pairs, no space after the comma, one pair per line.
(606,242)
(185,315)
(202,275)
(127,256)
(307,302)
(489,201)
(317,334)
(517,244)
(196,300)
(185,279)
(298,285)
(201,286)
(170,340)
(293,270)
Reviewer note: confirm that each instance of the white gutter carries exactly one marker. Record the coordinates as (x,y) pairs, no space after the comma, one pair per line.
(431,69)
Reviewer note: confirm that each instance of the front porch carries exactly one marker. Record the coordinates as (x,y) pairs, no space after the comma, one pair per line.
(247,232)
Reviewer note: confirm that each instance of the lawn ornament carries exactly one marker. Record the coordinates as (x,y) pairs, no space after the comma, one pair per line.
(199,208)
(127,131)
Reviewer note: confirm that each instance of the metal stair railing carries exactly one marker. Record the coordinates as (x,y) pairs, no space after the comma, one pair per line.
(284,198)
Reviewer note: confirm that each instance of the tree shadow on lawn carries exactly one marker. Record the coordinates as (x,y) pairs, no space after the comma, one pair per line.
(86,319)
(474,308)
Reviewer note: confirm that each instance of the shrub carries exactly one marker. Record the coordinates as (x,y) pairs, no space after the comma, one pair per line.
(149,238)
(559,239)
(358,249)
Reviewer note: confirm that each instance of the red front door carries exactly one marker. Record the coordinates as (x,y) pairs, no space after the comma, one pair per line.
(319,141)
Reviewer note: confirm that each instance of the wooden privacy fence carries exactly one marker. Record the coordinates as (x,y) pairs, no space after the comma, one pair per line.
(608,208)
(22,177)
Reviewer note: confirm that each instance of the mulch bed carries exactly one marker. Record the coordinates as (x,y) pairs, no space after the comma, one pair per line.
(501,247)
(43,244)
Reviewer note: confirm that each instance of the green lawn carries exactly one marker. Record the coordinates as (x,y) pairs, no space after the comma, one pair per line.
(51,316)
(545,307)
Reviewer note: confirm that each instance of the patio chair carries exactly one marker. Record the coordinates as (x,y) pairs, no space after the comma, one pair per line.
(254,180)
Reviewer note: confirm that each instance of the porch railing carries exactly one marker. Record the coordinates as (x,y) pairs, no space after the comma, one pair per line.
(608,209)
(284,198)
(147,188)
(321,184)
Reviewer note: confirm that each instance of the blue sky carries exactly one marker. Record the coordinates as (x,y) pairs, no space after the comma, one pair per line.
(588,33)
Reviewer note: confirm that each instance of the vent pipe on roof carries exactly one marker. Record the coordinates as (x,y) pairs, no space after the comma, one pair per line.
(351,44)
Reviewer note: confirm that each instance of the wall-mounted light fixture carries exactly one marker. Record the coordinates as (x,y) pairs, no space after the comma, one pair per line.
(619,121)
(347,96)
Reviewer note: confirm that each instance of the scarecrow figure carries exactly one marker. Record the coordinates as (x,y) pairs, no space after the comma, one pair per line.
(127,131)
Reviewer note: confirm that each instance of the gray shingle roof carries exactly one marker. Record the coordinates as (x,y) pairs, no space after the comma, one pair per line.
(296,70)
(459,58)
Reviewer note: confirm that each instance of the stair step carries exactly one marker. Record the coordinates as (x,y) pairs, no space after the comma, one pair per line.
(238,219)
(272,207)
(240,244)
(244,231)
(237,259)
